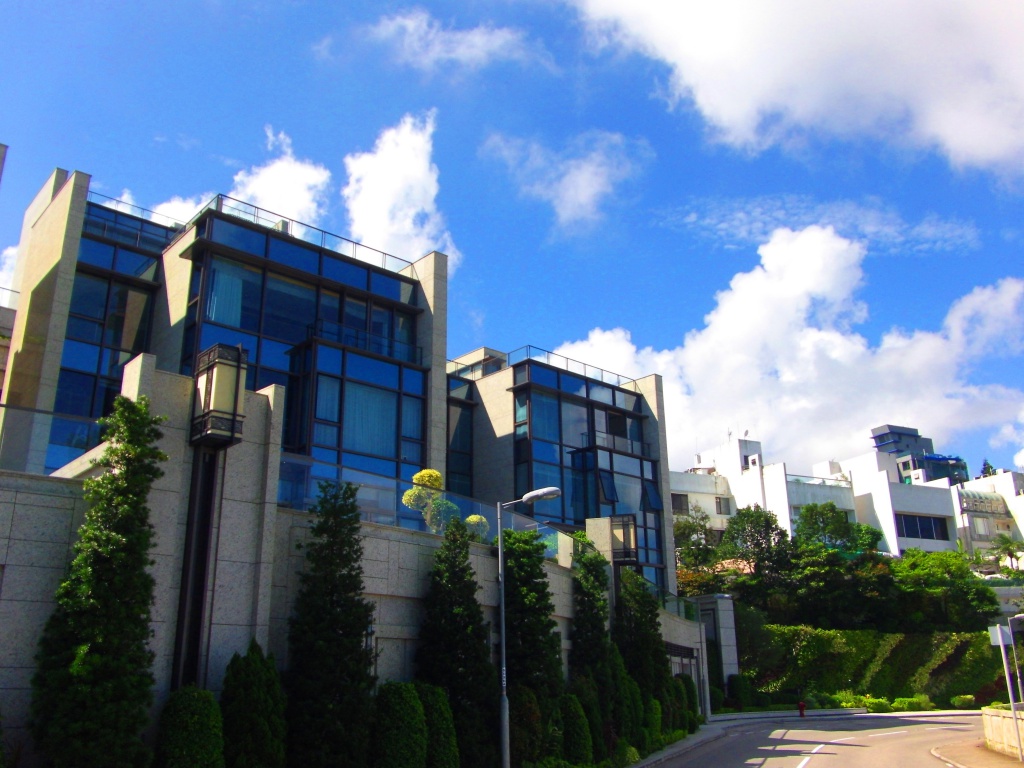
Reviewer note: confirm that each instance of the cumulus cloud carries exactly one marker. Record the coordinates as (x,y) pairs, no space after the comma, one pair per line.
(420,41)
(392,191)
(934,74)
(750,221)
(575,181)
(285,185)
(1012,434)
(8,258)
(779,356)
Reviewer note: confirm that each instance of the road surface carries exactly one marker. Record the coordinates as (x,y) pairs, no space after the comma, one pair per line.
(900,741)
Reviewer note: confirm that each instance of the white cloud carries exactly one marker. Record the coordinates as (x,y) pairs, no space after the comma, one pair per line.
(392,191)
(182,209)
(323,49)
(934,74)
(575,181)
(8,258)
(750,221)
(286,185)
(778,356)
(420,41)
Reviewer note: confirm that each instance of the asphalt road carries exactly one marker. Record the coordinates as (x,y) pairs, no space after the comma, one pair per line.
(901,741)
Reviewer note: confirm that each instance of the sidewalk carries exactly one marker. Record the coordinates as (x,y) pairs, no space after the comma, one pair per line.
(970,753)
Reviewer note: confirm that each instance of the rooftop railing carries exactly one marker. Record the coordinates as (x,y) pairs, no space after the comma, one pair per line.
(485,368)
(305,232)
(835,482)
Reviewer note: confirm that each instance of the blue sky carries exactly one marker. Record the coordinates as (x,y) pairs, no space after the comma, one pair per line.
(806,216)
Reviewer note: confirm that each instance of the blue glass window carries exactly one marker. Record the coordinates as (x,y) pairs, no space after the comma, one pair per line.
(326,455)
(328,359)
(239,237)
(412,451)
(412,417)
(276,354)
(74,393)
(328,398)
(629,491)
(575,424)
(385,285)
(89,296)
(627,465)
(127,318)
(572,384)
(601,393)
(606,482)
(85,330)
(325,434)
(544,416)
(234,295)
(266,377)
(627,400)
(652,496)
(548,452)
(294,255)
(213,334)
(289,309)
(113,363)
(373,371)
(576,496)
(544,376)
(96,253)
(370,464)
(106,391)
(371,420)
(80,356)
(413,382)
(344,272)
(355,314)
(330,306)
(135,264)
(545,476)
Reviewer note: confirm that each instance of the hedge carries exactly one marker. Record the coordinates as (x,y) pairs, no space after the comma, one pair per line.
(191,734)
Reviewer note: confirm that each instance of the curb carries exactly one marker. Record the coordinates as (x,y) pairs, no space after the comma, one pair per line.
(935,753)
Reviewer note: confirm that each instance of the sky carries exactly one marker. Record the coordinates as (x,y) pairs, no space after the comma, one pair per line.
(805,216)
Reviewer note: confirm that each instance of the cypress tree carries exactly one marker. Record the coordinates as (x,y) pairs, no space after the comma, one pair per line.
(454,649)
(191,733)
(252,706)
(93,684)
(330,680)
(637,633)
(534,656)
(588,656)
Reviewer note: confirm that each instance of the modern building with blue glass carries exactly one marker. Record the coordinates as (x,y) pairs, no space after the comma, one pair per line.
(346,377)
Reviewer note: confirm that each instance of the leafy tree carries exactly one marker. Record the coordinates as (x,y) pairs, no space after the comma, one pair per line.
(533,654)
(330,679)
(252,707)
(93,684)
(637,633)
(1006,547)
(987,470)
(940,593)
(828,525)
(427,497)
(753,536)
(696,549)
(454,648)
(191,734)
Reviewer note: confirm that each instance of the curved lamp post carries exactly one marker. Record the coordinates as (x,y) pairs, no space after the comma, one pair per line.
(533,496)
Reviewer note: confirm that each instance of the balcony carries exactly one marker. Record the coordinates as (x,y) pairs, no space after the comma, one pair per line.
(353,337)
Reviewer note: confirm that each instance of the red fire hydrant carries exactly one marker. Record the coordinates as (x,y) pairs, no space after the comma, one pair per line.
(802,707)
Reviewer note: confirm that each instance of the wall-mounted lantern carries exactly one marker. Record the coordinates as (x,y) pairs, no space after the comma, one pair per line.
(219,398)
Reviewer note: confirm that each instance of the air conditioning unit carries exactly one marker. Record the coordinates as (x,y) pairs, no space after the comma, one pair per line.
(754,460)
(283,226)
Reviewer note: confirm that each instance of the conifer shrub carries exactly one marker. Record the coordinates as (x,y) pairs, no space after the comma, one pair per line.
(400,728)
(252,706)
(330,679)
(692,702)
(652,724)
(191,734)
(681,707)
(526,733)
(586,693)
(717,698)
(93,685)
(577,745)
(442,745)
(740,691)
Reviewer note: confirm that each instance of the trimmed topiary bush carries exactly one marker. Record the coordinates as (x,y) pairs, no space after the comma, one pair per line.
(877,706)
(919,703)
(577,746)
(442,745)
(652,724)
(400,728)
(740,691)
(526,734)
(717,698)
(252,706)
(191,734)
(962,702)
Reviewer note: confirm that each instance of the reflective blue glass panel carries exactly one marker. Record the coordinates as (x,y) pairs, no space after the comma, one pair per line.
(89,296)
(289,309)
(294,255)
(412,418)
(80,356)
(135,264)
(275,354)
(241,238)
(214,334)
(544,376)
(574,385)
(544,416)
(234,295)
(372,370)
(413,382)
(370,464)
(96,253)
(344,272)
(370,420)
(328,359)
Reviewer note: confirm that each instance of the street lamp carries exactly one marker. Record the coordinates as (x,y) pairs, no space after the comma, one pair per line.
(533,496)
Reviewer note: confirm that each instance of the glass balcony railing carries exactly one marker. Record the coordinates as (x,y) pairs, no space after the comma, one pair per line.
(834,482)
(310,234)
(41,442)
(141,228)
(619,444)
(474,371)
(380,502)
(354,337)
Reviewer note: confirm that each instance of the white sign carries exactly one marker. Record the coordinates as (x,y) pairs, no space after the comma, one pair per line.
(999,635)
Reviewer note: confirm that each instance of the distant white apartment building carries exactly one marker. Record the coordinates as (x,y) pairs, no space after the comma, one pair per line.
(916,498)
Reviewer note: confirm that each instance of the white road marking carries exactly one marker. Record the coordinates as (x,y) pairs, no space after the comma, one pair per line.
(890,733)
